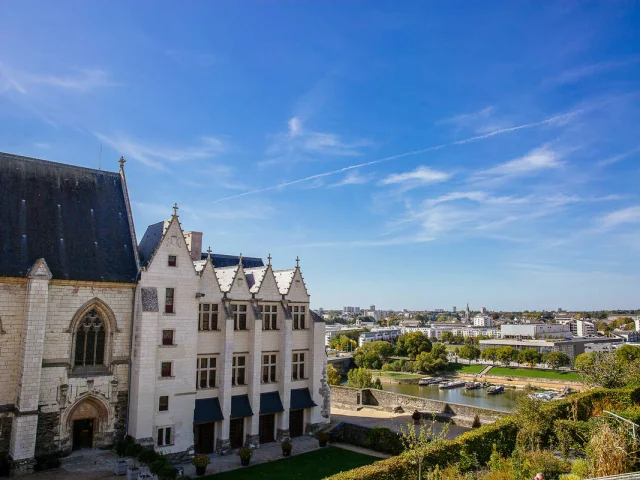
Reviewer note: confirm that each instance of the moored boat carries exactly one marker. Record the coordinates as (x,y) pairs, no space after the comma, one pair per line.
(454,384)
(430,381)
(472,385)
(495,389)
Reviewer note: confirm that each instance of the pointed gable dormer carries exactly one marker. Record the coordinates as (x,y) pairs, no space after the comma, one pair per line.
(297,291)
(239,289)
(171,248)
(209,284)
(266,286)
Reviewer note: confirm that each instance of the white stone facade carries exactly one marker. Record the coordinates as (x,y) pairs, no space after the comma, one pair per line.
(198,286)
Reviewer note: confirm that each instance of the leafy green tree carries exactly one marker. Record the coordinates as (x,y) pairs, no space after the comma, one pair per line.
(628,353)
(530,356)
(489,353)
(416,441)
(412,344)
(446,336)
(373,355)
(433,361)
(557,359)
(506,354)
(333,377)
(442,319)
(469,352)
(361,378)
(603,369)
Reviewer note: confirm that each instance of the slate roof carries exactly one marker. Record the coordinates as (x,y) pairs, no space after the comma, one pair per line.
(284,279)
(254,278)
(75,218)
(220,260)
(149,242)
(225,277)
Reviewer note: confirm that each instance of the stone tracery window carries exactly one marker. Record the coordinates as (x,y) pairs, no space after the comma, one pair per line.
(90,340)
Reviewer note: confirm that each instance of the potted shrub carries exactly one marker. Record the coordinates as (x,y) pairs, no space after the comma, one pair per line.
(168,472)
(323,438)
(201,462)
(158,465)
(120,466)
(416,416)
(133,450)
(147,456)
(286,448)
(245,455)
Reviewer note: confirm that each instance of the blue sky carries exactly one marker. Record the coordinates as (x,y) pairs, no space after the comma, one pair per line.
(413,154)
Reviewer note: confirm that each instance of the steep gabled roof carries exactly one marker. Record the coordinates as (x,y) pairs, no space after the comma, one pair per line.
(75,218)
(150,242)
(220,260)
(226,276)
(254,277)
(284,279)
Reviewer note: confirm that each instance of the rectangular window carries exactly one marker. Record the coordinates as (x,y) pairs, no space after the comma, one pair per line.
(238,370)
(168,301)
(206,372)
(173,261)
(298,312)
(165,369)
(269,317)
(239,316)
(268,368)
(163,404)
(164,436)
(167,337)
(208,316)
(297,366)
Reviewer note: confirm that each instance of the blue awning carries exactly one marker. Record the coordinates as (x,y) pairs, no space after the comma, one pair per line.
(207,410)
(270,403)
(301,398)
(240,406)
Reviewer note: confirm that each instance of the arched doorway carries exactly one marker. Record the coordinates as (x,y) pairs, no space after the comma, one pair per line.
(85,422)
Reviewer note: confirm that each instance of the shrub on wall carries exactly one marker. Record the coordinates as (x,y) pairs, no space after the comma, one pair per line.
(384,440)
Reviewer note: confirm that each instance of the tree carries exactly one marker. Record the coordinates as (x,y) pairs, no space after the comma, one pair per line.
(373,355)
(412,344)
(361,378)
(628,353)
(604,370)
(495,316)
(333,377)
(557,359)
(489,353)
(442,319)
(433,361)
(506,354)
(530,356)
(469,352)
(446,336)
(416,441)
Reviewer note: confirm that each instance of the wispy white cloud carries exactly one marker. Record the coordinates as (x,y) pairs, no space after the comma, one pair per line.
(481,121)
(156,155)
(42,145)
(404,240)
(542,158)
(352,178)
(616,158)
(298,143)
(574,75)
(617,218)
(555,120)
(420,176)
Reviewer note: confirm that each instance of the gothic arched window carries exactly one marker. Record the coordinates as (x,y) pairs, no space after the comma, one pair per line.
(90,338)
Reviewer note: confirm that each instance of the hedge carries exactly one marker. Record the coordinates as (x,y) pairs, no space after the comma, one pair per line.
(503,433)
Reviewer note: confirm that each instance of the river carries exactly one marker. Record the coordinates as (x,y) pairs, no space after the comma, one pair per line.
(476,398)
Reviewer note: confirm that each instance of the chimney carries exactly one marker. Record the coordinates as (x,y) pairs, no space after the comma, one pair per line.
(194,244)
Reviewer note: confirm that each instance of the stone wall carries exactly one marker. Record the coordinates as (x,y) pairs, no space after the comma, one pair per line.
(354,398)
(47,433)
(346,398)
(6,422)
(120,424)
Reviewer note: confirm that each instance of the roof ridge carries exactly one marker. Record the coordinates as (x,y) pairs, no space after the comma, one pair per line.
(56,164)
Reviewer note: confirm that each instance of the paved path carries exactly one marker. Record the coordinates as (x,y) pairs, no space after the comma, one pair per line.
(98,464)
(376,418)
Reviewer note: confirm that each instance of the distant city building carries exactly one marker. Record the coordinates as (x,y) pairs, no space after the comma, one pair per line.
(454,309)
(582,328)
(626,335)
(482,321)
(571,347)
(483,310)
(379,334)
(536,331)
(467,314)
(372,307)
(351,310)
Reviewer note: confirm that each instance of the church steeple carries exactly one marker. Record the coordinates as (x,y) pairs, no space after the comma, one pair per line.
(468,313)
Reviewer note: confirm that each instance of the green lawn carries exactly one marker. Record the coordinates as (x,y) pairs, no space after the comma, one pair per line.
(527,372)
(314,465)
(460,368)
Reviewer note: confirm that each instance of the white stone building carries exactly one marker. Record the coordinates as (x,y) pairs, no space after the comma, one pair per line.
(226,353)
(68,271)
(482,321)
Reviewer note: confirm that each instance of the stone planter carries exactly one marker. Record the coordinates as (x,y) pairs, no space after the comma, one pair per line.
(133,473)
(120,467)
(200,471)
(323,443)
(245,461)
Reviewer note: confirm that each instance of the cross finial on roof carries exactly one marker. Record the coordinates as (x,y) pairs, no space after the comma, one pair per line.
(175,209)
(240,260)
(269,258)
(297,262)
(121,162)
(209,251)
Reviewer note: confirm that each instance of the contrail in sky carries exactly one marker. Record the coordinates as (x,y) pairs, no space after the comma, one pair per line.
(555,119)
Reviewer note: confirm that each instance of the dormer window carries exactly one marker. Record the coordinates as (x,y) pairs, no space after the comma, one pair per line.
(173,261)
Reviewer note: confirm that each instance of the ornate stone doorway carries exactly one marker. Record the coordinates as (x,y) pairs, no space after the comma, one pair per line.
(83,433)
